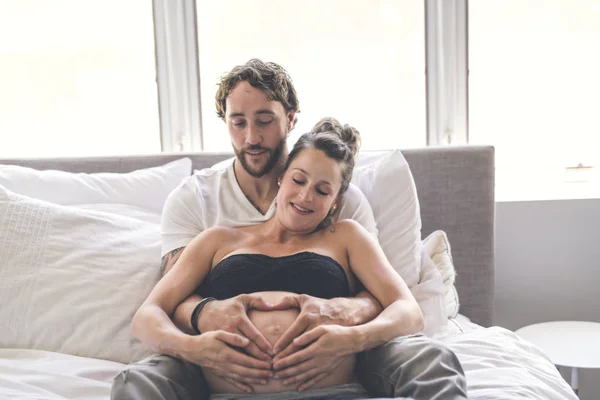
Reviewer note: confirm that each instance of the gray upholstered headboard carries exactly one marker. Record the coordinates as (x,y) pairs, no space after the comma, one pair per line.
(456,194)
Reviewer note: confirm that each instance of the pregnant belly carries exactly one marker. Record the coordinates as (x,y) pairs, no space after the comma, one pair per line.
(272,324)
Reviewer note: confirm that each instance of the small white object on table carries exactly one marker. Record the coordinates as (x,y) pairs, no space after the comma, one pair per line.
(574,344)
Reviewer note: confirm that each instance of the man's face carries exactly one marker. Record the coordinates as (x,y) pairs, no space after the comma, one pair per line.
(258,128)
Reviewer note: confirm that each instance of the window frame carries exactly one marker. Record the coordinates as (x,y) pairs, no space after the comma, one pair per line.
(179,83)
(178,75)
(446,70)
(446,45)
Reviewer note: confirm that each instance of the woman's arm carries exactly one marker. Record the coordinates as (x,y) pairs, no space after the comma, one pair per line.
(152,322)
(218,350)
(401,315)
(315,352)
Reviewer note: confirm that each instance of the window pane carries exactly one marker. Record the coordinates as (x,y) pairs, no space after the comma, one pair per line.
(78,78)
(360,61)
(533,92)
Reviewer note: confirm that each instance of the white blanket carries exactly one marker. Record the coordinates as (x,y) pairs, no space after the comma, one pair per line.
(37,374)
(498,365)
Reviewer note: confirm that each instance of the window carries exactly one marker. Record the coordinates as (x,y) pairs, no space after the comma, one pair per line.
(78,78)
(359,61)
(534,94)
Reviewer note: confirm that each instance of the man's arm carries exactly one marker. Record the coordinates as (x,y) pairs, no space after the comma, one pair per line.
(216,317)
(218,350)
(183,218)
(183,313)
(168,260)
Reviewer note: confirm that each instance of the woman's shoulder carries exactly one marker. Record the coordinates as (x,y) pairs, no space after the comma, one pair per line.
(348,228)
(348,235)
(346,224)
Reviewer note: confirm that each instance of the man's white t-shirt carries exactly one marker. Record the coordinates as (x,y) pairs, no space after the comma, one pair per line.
(212,197)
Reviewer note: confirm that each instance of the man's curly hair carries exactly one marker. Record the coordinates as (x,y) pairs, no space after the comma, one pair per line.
(269,77)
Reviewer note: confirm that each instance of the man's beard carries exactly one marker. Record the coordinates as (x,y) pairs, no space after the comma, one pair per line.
(274,156)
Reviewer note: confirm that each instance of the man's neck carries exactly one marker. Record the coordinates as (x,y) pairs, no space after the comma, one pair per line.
(259,191)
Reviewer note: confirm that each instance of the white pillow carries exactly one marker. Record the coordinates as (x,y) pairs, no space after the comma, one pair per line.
(388,185)
(430,294)
(437,246)
(124,210)
(146,188)
(71,279)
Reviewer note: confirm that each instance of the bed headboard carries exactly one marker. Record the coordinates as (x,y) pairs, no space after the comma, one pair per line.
(456,194)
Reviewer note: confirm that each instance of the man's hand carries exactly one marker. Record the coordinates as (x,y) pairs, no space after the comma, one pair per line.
(231,315)
(314,312)
(220,352)
(315,354)
(333,314)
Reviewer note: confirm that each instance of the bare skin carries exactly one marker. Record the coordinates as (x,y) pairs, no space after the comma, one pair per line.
(310,312)
(257,125)
(304,314)
(272,324)
(320,342)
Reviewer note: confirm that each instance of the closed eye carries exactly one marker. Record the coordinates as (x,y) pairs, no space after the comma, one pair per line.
(297,182)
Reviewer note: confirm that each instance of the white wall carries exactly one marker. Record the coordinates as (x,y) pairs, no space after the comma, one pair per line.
(548,267)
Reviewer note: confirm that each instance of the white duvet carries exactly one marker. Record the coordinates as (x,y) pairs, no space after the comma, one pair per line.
(498,365)
(38,374)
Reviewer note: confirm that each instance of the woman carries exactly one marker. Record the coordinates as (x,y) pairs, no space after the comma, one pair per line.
(299,250)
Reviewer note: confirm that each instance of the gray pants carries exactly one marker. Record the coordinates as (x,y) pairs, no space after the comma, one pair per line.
(413,367)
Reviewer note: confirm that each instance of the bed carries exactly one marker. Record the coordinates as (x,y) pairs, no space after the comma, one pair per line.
(455,187)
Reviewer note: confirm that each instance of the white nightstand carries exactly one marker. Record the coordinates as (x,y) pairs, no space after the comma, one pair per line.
(574,344)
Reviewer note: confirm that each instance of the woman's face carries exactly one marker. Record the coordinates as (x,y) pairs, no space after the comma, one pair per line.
(308,191)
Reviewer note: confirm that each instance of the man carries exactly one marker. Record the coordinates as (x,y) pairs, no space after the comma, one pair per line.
(258,103)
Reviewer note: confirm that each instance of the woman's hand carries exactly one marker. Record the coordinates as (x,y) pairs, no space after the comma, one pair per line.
(315,311)
(220,352)
(313,355)
(231,315)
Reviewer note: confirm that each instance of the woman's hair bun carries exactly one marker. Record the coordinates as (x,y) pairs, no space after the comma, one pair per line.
(347,133)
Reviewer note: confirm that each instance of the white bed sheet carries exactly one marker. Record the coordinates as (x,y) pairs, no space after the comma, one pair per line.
(498,365)
(37,374)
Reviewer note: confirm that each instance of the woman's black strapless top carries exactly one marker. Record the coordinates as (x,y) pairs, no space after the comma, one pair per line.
(302,273)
